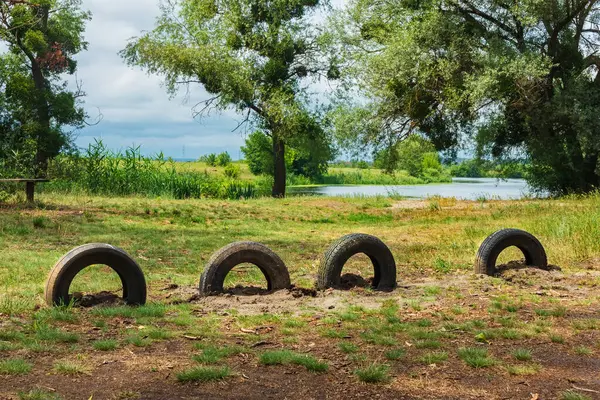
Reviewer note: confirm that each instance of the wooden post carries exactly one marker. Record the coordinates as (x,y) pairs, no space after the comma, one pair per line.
(29,189)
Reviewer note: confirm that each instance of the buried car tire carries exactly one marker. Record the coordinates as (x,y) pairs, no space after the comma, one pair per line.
(493,245)
(225,259)
(339,252)
(65,270)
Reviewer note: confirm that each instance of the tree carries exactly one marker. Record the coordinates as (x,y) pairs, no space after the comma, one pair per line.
(520,75)
(251,55)
(42,36)
(307,155)
(414,155)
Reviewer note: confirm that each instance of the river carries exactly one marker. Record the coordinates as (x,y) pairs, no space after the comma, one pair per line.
(460,188)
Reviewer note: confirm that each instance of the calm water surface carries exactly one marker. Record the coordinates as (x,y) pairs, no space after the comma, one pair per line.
(461,188)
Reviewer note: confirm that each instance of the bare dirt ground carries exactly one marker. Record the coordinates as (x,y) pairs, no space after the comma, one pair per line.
(564,344)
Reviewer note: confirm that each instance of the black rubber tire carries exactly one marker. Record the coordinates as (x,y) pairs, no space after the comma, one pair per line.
(62,275)
(336,256)
(493,245)
(225,259)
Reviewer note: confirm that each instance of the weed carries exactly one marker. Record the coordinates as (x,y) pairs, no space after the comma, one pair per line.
(347,347)
(475,357)
(213,354)
(583,351)
(374,373)
(522,354)
(15,366)
(69,368)
(106,345)
(395,354)
(203,374)
(523,369)
(572,395)
(38,394)
(434,358)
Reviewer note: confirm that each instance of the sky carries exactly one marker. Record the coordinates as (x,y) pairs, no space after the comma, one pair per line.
(135,108)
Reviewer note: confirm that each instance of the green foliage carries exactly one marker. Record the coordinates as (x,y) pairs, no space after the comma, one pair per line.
(35,105)
(489,169)
(252,56)
(374,373)
(277,357)
(100,171)
(210,159)
(15,366)
(520,79)
(232,171)
(223,159)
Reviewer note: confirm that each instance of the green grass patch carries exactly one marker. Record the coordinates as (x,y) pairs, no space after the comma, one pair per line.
(279,357)
(38,394)
(347,347)
(213,354)
(374,373)
(583,351)
(69,368)
(522,354)
(105,345)
(436,357)
(518,370)
(15,366)
(395,354)
(572,395)
(476,357)
(48,334)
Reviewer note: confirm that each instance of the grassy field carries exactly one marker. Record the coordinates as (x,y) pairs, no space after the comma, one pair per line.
(444,333)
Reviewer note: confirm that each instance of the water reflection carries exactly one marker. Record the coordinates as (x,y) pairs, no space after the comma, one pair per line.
(460,188)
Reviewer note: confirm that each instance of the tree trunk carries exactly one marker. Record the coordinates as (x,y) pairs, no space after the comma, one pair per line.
(279,167)
(43,120)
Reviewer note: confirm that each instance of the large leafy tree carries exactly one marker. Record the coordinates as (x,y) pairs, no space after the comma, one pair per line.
(252,55)
(42,37)
(521,75)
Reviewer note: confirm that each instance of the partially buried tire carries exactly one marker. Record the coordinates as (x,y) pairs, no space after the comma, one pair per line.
(65,270)
(225,259)
(332,263)
(493,245)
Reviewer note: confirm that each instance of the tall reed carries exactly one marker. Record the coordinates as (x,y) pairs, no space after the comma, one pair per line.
(101,171)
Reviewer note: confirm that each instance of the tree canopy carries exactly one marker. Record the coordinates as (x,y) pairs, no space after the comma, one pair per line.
(35,104)
(250,55)
(521,76)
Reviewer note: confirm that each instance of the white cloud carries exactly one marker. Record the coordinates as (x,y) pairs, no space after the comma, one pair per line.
(134,105)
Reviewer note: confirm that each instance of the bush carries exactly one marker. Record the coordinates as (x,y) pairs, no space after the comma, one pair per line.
(223,159)
(232,171)
(210,159)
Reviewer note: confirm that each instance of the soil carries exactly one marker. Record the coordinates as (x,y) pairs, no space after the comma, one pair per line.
(150,372)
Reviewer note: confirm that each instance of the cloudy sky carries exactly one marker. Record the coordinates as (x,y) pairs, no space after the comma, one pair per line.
(135,107)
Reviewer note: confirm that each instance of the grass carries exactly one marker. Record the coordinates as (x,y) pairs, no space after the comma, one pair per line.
(279,357)
(38,394)
(395,354)
(573,395)
(374,373)
(437,357)
(522,354)
(213,354)
(347,347)
(523,369)
(203,374)
(69,368)
(419,324)
(105,345)
(15,366)
(476,357)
